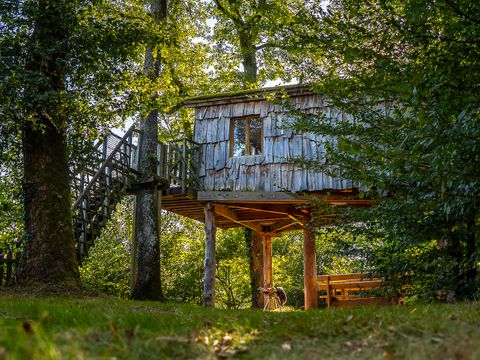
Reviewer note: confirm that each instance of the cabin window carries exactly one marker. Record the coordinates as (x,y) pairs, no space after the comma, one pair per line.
(246,134)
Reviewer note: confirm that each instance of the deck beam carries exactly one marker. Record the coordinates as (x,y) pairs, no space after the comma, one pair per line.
(233,216)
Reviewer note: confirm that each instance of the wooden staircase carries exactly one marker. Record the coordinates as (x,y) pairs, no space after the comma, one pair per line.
(112,171)
(100,185)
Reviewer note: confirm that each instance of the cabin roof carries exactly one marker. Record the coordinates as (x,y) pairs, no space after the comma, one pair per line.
(233,97)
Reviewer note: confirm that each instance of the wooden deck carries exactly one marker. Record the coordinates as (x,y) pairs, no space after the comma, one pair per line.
(266,212)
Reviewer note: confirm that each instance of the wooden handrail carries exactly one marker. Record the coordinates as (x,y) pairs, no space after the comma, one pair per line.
(337,277)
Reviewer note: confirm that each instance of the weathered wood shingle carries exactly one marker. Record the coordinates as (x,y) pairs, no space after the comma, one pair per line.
(273,170)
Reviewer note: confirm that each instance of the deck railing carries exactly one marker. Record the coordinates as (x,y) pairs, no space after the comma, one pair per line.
(178,165)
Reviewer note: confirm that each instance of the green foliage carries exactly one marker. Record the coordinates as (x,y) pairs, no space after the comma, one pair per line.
(107,267)
(233,281)
(418,153)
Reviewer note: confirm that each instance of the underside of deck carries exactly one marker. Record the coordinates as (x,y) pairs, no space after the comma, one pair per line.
(265,212)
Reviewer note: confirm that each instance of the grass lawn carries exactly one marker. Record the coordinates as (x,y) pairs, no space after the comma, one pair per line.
(98,328)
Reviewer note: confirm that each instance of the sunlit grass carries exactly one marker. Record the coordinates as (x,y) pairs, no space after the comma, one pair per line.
(91,328)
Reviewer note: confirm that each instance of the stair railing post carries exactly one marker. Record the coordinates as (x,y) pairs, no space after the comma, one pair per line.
(104,147)
(184,163)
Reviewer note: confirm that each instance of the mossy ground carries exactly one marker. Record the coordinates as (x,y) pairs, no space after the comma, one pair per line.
(98,328)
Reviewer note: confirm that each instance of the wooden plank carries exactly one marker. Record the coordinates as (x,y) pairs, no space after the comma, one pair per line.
(209,157)
(346,277)
(220,136)
(353,285)
(265,184)
(268,150)
(349,303)
(281,225)
(235,196)
(221,156)
(249,108)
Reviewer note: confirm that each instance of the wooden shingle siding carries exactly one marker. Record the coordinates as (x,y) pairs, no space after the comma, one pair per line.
(272,171)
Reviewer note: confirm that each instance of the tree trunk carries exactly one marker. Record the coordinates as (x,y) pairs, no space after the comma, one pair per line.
(210,264)
(49,244)
(146,265)
(147,262)
(249,59)
(254,242)
(309,266)
(49,255)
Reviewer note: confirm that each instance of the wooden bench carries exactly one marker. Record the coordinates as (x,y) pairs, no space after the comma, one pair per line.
(348,290)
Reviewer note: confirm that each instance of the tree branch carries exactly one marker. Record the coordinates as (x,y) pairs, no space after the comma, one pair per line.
(229,14)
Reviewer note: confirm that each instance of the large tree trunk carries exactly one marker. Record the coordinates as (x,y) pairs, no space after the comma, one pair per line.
(49,255)
(254,242)
(50,248)
(146,263)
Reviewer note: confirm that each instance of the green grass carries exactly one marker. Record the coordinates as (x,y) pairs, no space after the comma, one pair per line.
(99,328)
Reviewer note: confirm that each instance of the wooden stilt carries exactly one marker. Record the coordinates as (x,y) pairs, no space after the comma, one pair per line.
(255,241)
(210,263)
(309,266)
(267,265)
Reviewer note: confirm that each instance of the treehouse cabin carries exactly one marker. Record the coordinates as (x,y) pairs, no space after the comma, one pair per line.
(243,161)
(246,175)
(237,171)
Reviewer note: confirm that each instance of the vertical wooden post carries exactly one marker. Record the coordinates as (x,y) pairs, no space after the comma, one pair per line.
(309,266)
(254,241)
(267,265)
(210,263)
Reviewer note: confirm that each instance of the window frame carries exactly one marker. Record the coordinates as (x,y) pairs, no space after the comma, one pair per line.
(247,118)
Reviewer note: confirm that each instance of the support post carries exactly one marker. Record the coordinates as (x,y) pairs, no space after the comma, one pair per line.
(309,266)
(210,263)
(255,242)
(267,265)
